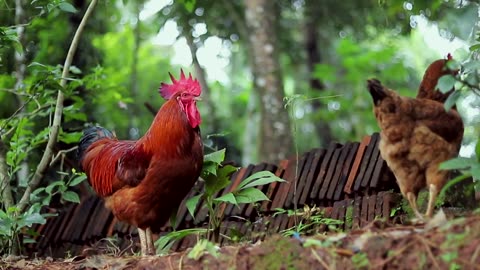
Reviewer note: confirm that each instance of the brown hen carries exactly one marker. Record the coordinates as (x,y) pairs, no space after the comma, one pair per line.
(417,134)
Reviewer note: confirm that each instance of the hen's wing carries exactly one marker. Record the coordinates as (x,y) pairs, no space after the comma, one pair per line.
(432,114)
(112,164)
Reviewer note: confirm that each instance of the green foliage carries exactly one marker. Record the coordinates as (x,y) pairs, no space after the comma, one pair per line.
(310,218)
(201,247)
(216,177)
(165,242)
(25,133)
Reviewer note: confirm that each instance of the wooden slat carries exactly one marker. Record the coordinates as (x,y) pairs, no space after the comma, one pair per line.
(365,162)
(302,180)
(376,175)
(282,188)
(371,166)
(250,207)
(323,170)
(227,209)
(339,168)
(332,168)
(347,166)
(296,181)
(240,211)
(379,205)
(364,211)
(274,187)
(183,216)
(372,200)
(356,164)
(312,174)
(357,214)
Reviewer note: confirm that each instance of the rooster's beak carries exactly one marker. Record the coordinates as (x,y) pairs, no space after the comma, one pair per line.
(197,98)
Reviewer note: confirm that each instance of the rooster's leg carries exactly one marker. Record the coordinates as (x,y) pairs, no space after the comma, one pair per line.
(412,199)
(433,192)
(149,238)
(143,241)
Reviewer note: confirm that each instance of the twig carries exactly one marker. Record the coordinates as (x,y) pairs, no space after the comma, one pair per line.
(320,260)
(475,255)
(390,258)
(62,153)
(429,251)
(43,165)
(150,108)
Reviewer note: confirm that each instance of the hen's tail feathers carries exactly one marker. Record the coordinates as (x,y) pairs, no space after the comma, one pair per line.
(376,90)
(91,135)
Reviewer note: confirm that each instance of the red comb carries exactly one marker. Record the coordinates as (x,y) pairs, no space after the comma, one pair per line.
(189,85)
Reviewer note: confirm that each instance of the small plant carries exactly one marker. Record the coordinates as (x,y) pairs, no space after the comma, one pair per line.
(201,247)
(311,218)
(217,177)
(360,260)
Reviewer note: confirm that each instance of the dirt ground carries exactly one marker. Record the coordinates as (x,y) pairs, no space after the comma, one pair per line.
(442,243)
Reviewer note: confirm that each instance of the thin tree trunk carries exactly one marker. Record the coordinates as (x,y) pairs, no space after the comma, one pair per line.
(275,134)
(251,132)
(313,58)
(5,187)
(20,70)
(200,74)
(133,132)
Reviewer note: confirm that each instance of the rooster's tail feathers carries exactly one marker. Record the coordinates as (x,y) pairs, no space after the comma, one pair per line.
(91,135)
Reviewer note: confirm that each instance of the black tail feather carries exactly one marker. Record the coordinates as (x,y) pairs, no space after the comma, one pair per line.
(90,135)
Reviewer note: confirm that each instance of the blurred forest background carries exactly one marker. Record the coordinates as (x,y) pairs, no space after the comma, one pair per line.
(278,76)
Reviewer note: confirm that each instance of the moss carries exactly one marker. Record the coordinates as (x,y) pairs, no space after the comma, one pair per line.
(279,253)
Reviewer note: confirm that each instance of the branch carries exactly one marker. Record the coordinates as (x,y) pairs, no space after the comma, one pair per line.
(61,154)
(47,155)
(5,188)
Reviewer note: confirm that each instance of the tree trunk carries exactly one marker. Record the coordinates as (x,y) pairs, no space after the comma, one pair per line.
(133,132)
(275,134)
(313,58)
(200,75)
(20,70)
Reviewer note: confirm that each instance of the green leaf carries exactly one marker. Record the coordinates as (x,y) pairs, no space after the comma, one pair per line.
(203,246)
(250,195)
(215,183)
(452,100)
(258,179)
(474,47)
(34,218)
(192,203)
(49,188)
(77,180)
(215,157)
(67,7)
(475,170)
(228,198)
(446,83)
(164,243)
(71,196)
(458,163)
(70,137)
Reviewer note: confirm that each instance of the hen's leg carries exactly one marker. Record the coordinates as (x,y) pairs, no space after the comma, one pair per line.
(412,199)
(433,192)
(150,245)
(143,241)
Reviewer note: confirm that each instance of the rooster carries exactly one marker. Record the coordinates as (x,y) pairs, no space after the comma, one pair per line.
(143,181)
(417,134)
